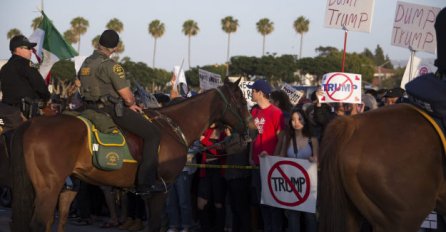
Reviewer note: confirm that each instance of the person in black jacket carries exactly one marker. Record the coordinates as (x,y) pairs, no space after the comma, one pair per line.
(21,83)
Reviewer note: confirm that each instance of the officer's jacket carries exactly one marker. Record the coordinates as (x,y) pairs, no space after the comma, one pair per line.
(19,80)
(101,76)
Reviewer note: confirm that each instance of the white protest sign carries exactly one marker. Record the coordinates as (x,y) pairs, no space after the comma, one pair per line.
(413,26)
(419,68)
(180,81)
(247,92)
(292,93)
(430,222)
(355,15)
(289,183)
(341,87)
(209,80)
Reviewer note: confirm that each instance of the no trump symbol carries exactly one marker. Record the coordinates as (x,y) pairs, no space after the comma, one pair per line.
(288,191)
(341,87)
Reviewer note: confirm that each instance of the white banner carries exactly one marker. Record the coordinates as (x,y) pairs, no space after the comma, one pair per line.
(341,87)
(209,80)
(289,183)
(292,93)
(419,68)
(247,92)
(413,26)
(180,81)
(355,15)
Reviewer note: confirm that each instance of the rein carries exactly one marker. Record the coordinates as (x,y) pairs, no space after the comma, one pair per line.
(177,129)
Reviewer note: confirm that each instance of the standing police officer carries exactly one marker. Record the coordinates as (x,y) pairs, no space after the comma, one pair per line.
(104,87)
(21,83)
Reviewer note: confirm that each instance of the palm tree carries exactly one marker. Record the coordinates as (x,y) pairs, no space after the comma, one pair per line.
(79,26)
(229,25)
(190,28)
(36,22)
(13,32)
(115,24)
(156,29)
(264,27)
(95,41)
(301,26)
(69,36)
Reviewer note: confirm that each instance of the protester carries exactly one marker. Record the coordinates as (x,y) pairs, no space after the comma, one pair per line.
(104,88)
(300,143)
(269,122)
(21,83)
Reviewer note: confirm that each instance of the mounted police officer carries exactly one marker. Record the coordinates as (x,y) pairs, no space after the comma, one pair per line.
(104,88)
(21,83)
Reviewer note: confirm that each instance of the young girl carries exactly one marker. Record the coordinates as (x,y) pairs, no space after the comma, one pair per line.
(299,143)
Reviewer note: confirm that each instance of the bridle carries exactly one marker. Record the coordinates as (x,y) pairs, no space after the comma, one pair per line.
(234,110)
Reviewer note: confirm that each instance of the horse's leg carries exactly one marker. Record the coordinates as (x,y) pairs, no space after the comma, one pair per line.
(155,209)
(66,197)
(45,204)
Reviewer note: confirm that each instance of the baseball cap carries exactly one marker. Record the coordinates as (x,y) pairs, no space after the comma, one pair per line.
(395,92)
(109,39)
(18,41)
(261,85)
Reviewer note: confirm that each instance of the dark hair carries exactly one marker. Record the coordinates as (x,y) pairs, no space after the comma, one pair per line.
(306,130)
(283,100)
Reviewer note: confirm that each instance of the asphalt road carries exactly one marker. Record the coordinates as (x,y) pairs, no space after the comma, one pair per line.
(72,225)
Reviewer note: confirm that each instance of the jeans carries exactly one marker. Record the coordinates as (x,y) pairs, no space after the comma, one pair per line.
(179,202)
(294,221)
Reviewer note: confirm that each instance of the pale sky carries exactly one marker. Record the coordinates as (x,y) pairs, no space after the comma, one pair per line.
(209,46)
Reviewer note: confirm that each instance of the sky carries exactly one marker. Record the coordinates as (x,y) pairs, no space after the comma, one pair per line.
(210,44)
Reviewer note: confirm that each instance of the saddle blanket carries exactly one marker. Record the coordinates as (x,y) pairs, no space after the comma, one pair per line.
(109,150)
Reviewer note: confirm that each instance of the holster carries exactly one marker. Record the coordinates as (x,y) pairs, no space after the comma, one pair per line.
(117,102)
(30,107)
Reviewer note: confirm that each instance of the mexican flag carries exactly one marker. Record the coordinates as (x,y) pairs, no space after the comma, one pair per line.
(51,46)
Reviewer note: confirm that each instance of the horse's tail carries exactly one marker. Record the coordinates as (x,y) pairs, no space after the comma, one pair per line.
(333,202)
(22,188)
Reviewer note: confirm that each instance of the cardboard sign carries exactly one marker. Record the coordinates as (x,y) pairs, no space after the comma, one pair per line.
(419,68)
(355,15)
(209,80)
(341,87)
(289,183)
(292,93)
(247,92)
(413,26)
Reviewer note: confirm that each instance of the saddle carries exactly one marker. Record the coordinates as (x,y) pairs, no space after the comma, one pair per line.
(106,142)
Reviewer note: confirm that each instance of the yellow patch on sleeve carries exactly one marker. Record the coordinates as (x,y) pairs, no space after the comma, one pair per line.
(117,68)
(85,71)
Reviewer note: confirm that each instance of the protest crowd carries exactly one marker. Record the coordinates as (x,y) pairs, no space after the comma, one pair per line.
(222,186)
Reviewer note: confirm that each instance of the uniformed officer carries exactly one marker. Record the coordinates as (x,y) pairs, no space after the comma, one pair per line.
(21,83)
(104,87)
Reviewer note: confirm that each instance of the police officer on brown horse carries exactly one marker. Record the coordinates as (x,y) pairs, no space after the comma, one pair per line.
(105,88)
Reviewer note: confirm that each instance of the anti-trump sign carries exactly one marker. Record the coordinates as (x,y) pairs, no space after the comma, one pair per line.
(209,80)
(413,26)
(341,87)
(289,183)
(292,93)
(354,15)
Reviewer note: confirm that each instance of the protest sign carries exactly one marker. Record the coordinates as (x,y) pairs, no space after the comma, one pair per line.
(355,15)
(209,80)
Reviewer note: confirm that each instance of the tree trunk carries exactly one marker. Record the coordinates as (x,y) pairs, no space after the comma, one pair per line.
(301,41)
(227,52)
(188,52)
(263,47)
(154,52)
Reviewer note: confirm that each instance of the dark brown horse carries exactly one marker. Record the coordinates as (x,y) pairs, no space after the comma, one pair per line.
(44,158)
(385,167)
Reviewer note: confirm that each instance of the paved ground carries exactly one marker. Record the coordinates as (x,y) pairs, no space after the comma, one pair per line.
(72,225)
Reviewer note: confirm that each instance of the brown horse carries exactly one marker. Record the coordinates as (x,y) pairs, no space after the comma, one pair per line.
(385,167)
(43,158)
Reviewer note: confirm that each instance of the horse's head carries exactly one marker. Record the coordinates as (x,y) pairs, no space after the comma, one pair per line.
(235,108)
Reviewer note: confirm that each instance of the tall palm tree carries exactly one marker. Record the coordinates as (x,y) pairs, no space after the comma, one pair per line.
(69,36)
(36,22)
(156,29)
(229,25)
(190,28)
(79,26)
(115,24)
(13,32)
(264,27)
(301,25)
